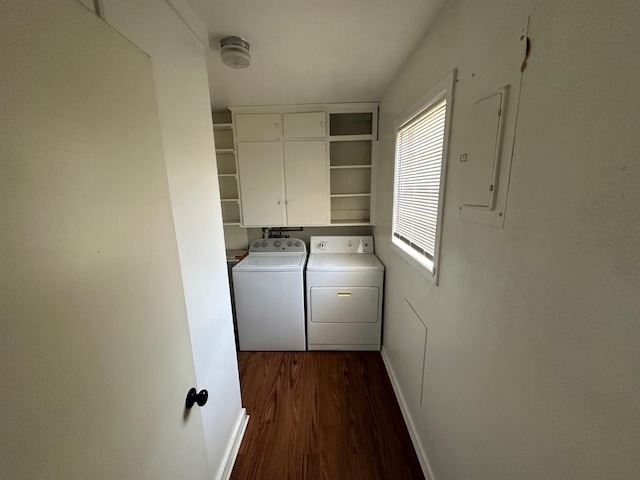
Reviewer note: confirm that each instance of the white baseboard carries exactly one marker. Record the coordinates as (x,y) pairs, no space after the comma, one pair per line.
(229,459)
(413,433)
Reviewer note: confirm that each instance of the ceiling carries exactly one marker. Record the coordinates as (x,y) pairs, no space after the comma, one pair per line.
(305,51)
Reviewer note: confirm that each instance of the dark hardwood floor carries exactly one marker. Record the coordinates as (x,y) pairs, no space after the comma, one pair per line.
(321,415)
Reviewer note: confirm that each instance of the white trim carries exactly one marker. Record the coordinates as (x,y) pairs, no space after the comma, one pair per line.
(357,107)
(191,20)
(421,263)
(443,89)
(231,453)
(408,419)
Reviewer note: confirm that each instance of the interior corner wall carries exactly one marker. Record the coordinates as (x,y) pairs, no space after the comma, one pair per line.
(182,90)
(90,4)
(531,363)
(235,237)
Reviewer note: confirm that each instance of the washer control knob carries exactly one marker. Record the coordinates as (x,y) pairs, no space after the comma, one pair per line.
(256,244)
(289,243)
(297,244)
(264,244)
(277,243)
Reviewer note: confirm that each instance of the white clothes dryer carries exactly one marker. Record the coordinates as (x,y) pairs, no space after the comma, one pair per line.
(269,295)
(344,294)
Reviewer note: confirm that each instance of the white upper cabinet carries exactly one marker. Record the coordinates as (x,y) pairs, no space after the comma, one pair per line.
(306,165)
(305,125)
(261,171)
(306,182)
(283,184)
(258,126)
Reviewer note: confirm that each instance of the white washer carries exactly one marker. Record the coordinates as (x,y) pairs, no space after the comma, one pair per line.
(344,294)
(269,295)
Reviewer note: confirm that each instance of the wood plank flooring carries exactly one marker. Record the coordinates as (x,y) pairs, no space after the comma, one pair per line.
(321,415)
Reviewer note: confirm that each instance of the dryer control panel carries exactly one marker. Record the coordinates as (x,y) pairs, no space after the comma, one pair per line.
(276,245)
(355,244)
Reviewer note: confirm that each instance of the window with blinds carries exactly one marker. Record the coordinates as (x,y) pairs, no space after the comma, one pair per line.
(419,178)
(419,148)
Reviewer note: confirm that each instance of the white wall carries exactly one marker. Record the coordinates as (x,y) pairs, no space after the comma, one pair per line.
(183,101)
(90,4)
(531,368)
(235,237)
(95,354)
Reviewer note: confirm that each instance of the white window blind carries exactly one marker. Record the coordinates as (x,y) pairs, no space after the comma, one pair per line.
(419,150)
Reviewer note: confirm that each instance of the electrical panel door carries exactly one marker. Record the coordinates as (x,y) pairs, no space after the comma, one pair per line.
(481,159)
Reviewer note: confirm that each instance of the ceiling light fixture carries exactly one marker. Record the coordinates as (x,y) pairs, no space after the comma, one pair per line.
(234,52)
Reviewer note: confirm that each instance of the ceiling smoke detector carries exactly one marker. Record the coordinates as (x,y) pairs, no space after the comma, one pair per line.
(234,52)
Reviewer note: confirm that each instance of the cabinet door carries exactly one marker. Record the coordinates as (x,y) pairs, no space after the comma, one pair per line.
(258,126)
(305,125)
(306,183)
(260,168)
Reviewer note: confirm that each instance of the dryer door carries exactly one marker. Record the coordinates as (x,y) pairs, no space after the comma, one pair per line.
(344,304)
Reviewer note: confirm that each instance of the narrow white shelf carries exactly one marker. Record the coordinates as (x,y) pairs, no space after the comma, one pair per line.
(350,138)
(348,223)
(223,126)
(234,175)
(225,150)
(229,200)
(344,195)
(234,223)
(345,167)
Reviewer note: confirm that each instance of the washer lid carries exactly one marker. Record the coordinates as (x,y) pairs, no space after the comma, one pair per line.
(274,262)
(344,261)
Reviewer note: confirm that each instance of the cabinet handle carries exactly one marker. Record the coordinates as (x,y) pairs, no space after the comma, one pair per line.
(344,294)
(322,124)
(277,125)
(279,202)
(287,202)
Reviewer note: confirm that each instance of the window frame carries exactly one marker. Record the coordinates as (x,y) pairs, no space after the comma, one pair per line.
(443,90)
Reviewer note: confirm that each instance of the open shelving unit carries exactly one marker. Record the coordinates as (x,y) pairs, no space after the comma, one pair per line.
(351,169)
(227,170)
